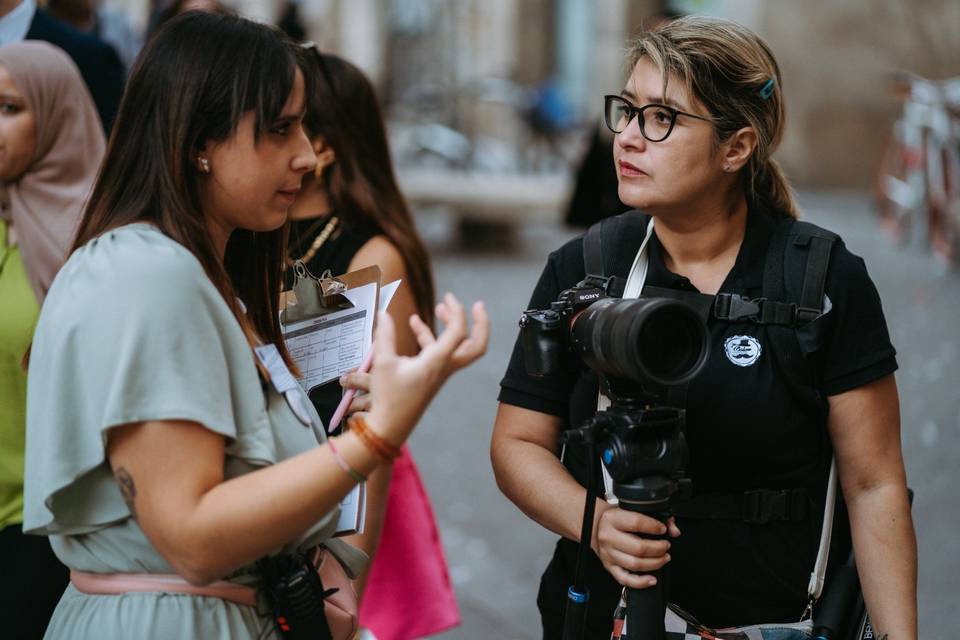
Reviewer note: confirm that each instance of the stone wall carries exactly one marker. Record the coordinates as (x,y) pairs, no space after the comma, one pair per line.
(837,60)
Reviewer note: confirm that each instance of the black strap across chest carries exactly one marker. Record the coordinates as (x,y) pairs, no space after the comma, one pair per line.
(794,281)
(793,284)
(794,278)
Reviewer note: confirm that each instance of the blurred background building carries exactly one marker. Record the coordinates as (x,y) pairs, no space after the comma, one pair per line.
(508,86)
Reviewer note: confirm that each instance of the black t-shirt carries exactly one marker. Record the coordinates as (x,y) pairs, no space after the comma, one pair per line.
(745,429)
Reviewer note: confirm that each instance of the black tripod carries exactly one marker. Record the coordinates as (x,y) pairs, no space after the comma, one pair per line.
(645,452)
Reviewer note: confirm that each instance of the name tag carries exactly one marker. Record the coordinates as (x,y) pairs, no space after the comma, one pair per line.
(283,381)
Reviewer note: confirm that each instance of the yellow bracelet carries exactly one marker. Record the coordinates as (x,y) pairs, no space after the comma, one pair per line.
(382,449)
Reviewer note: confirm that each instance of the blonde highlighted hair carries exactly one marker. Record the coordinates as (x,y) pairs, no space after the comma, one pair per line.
(733,73)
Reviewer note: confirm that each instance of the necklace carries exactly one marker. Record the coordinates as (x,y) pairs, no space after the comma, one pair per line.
(322,237)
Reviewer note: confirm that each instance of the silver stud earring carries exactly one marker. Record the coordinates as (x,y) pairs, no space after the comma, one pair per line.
(204,165)
(727,168)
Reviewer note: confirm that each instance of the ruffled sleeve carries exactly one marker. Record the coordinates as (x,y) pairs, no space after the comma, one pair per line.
(132,330)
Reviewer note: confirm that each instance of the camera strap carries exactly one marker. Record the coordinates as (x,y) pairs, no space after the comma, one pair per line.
(604,242)
(594,249)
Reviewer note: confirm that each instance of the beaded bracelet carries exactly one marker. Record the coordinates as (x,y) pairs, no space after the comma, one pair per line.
(374,442)
(342,463)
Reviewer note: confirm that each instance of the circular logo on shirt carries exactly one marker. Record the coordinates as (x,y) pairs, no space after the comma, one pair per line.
(742,351)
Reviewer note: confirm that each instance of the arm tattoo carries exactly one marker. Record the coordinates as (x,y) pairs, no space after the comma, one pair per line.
(127,488)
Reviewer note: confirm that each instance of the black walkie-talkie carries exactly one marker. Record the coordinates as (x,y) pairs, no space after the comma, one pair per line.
(295,594)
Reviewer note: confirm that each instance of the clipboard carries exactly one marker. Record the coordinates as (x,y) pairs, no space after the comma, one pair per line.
(314,308)
(328,322)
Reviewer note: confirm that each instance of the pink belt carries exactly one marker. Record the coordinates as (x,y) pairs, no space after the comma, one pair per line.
(117,583)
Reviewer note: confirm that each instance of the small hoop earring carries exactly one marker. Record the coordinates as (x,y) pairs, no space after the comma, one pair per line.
(204,165)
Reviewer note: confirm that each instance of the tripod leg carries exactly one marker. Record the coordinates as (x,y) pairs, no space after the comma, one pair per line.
(645,609)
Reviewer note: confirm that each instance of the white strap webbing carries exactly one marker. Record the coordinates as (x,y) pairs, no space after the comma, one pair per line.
(815,586)
(635,280)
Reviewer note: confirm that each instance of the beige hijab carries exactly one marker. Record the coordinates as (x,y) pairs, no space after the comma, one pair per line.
(45,203)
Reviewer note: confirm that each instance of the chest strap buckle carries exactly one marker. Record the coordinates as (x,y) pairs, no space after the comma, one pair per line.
(765,505)
(734,307)
(730,306)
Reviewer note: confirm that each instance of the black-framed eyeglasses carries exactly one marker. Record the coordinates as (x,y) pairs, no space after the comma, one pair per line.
(656,120)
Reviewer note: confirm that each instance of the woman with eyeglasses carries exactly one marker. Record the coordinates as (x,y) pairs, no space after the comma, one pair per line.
(351,214)
(696,124)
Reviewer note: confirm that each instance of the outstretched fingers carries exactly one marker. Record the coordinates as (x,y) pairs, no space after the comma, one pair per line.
(421,331)
(475,345)
(455,347)
(385,340)
(452,313)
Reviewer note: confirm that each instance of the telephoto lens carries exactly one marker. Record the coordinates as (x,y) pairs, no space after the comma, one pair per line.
(651,341)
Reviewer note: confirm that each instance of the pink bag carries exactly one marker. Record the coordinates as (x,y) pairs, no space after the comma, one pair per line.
(408,592)
(341,608)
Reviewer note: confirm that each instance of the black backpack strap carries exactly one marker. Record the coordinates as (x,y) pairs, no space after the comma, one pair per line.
(796,269)
(796,273)
(759,506)
(819,243)
(604,242)
(794,278)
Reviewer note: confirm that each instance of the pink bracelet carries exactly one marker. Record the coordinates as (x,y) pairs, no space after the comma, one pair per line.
(353,473)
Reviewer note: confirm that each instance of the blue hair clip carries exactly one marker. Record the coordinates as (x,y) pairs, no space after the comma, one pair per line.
(767,89)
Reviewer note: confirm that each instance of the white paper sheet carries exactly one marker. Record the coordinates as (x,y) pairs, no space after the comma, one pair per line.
(328,346)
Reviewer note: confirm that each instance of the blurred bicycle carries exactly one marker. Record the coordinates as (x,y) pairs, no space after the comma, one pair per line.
(918,187)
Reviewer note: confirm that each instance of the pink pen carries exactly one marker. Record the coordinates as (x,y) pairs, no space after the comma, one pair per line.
(348,396)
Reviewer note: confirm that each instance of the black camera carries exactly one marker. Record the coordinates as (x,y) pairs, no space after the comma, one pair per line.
(651,341)
(640,348)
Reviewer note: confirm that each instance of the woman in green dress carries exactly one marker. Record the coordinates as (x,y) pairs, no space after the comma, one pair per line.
(167,443)
(51,144)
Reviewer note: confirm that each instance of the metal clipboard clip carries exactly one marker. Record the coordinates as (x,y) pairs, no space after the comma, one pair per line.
(314,296)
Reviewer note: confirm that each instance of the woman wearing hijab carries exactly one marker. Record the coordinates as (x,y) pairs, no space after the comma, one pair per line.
(51,144)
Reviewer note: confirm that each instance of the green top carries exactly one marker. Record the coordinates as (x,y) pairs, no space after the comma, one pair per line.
(20,310)
(132,330)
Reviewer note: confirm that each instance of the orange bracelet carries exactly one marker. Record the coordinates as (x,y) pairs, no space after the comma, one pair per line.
(376,444)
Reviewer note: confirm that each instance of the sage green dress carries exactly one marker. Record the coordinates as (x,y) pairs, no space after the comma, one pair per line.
(133,330)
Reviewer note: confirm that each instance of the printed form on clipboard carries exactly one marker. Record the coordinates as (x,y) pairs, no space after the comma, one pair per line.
(329,335)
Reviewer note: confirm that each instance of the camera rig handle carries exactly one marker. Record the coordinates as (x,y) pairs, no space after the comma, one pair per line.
(645,452)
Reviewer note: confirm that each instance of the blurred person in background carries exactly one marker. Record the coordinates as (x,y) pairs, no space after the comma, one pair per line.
(99,64)
(172,458)
(695,127)
(51,144)
(349,215)
(110,25)
(173,8)
(290,21)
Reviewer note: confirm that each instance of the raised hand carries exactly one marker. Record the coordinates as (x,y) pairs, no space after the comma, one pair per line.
(401,387)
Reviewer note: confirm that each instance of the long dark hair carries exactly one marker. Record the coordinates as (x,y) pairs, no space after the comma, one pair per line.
(192,84)
(361,185)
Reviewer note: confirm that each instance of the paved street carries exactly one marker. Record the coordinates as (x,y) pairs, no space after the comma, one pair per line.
(496,554)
